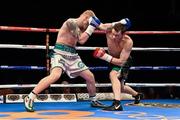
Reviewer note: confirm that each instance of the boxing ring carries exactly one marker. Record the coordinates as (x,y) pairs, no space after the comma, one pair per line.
(48,108)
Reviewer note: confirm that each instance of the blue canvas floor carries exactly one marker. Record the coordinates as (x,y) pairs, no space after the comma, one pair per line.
(83,111)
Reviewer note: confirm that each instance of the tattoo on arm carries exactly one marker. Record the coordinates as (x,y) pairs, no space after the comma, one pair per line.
(72,27)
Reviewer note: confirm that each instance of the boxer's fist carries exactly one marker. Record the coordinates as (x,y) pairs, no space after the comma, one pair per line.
(125,22)
(94,22)
(100,53)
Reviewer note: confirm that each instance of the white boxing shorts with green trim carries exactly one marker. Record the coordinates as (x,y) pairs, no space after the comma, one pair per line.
(71,63)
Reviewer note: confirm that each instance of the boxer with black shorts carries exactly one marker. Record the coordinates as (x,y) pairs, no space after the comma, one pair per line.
(119,49)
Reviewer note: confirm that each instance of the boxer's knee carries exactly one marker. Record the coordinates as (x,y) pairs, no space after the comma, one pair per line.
(113,74)
(55,73)
(91,78)
(123,88)
(88,76)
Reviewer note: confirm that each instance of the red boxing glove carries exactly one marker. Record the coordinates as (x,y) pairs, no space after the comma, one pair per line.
(100,53)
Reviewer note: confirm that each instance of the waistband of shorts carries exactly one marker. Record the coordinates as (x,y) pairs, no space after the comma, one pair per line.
(117,68)
(65,48)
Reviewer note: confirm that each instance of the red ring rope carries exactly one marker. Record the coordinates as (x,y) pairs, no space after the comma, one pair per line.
(31,29)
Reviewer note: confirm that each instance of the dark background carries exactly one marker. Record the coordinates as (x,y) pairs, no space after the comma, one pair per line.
(144,14)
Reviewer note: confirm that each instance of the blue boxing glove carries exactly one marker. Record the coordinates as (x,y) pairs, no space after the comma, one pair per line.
(94,22)
(125,22)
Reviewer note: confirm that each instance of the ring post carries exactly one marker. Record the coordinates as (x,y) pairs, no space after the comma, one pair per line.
(47,52)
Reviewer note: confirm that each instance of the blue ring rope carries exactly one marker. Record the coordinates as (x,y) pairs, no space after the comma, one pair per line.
(97,68)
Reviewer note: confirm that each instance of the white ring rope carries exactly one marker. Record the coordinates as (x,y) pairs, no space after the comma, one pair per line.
(97,85)
(17,46)
(31,29)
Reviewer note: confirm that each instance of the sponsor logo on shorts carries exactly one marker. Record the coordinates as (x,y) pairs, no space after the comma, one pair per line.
(81,64)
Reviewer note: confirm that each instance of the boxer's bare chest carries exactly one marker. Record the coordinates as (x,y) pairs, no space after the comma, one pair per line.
(114,46)
(69,36)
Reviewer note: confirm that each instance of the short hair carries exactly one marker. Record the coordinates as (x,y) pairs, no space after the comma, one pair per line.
(89,13)
(123,25)
(119,27)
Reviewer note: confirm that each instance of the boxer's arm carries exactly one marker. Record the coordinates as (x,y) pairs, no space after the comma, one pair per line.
(122,59)
(72,26)
(105,26)
(83,38)
(94,22)
(124,54)
(100,53)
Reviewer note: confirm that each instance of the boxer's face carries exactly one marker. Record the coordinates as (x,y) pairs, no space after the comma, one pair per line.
(84,21)
(116,35)
(119,27)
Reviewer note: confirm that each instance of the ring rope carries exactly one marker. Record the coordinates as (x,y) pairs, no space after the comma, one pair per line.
(6,67)
(17,46)
(33,29)
(97,85)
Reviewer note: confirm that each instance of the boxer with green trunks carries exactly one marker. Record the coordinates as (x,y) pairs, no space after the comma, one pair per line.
(119,49)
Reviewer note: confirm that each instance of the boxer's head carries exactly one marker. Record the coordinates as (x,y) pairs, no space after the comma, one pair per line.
(120,27)
(84,18)
(123,25)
